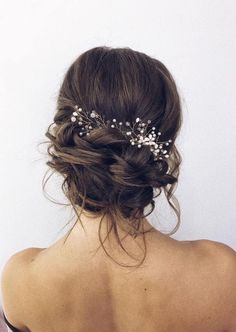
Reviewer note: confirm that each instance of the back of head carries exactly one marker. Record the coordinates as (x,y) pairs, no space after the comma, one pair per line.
(103,172)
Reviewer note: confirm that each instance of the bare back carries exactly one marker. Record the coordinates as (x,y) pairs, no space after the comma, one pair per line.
(174,290)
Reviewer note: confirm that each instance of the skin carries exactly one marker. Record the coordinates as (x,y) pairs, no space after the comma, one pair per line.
(182,285)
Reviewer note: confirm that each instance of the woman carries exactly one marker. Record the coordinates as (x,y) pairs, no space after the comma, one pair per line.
(112,140)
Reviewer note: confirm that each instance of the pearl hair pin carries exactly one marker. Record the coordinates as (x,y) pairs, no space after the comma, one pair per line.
(90,120)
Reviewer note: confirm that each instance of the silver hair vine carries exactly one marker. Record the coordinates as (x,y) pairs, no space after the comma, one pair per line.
(90,120)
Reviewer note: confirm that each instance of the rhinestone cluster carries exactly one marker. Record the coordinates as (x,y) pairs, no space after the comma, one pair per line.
(90,120)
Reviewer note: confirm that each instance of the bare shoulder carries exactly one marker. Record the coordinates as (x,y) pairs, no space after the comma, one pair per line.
(14,280)
(219,268)
(15,268)
(216,258)
(221,254)
(18,262)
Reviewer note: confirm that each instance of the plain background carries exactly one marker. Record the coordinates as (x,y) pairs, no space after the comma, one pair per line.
(194,39)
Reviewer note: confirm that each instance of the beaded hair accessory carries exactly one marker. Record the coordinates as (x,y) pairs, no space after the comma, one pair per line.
(90,120)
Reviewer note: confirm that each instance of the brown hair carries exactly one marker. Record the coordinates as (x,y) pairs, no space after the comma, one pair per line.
(102,172)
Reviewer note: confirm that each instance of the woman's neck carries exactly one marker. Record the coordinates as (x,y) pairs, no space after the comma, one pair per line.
(91,224)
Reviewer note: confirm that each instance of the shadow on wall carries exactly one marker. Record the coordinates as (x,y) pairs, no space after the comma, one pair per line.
(3,326)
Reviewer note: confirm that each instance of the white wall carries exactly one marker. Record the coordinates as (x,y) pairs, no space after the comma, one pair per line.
(194,39)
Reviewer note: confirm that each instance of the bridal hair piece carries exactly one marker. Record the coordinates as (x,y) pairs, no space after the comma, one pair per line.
(90,120)
(108,172)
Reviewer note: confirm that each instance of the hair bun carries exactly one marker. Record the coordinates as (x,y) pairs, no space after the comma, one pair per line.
(158,176)
(103,172)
